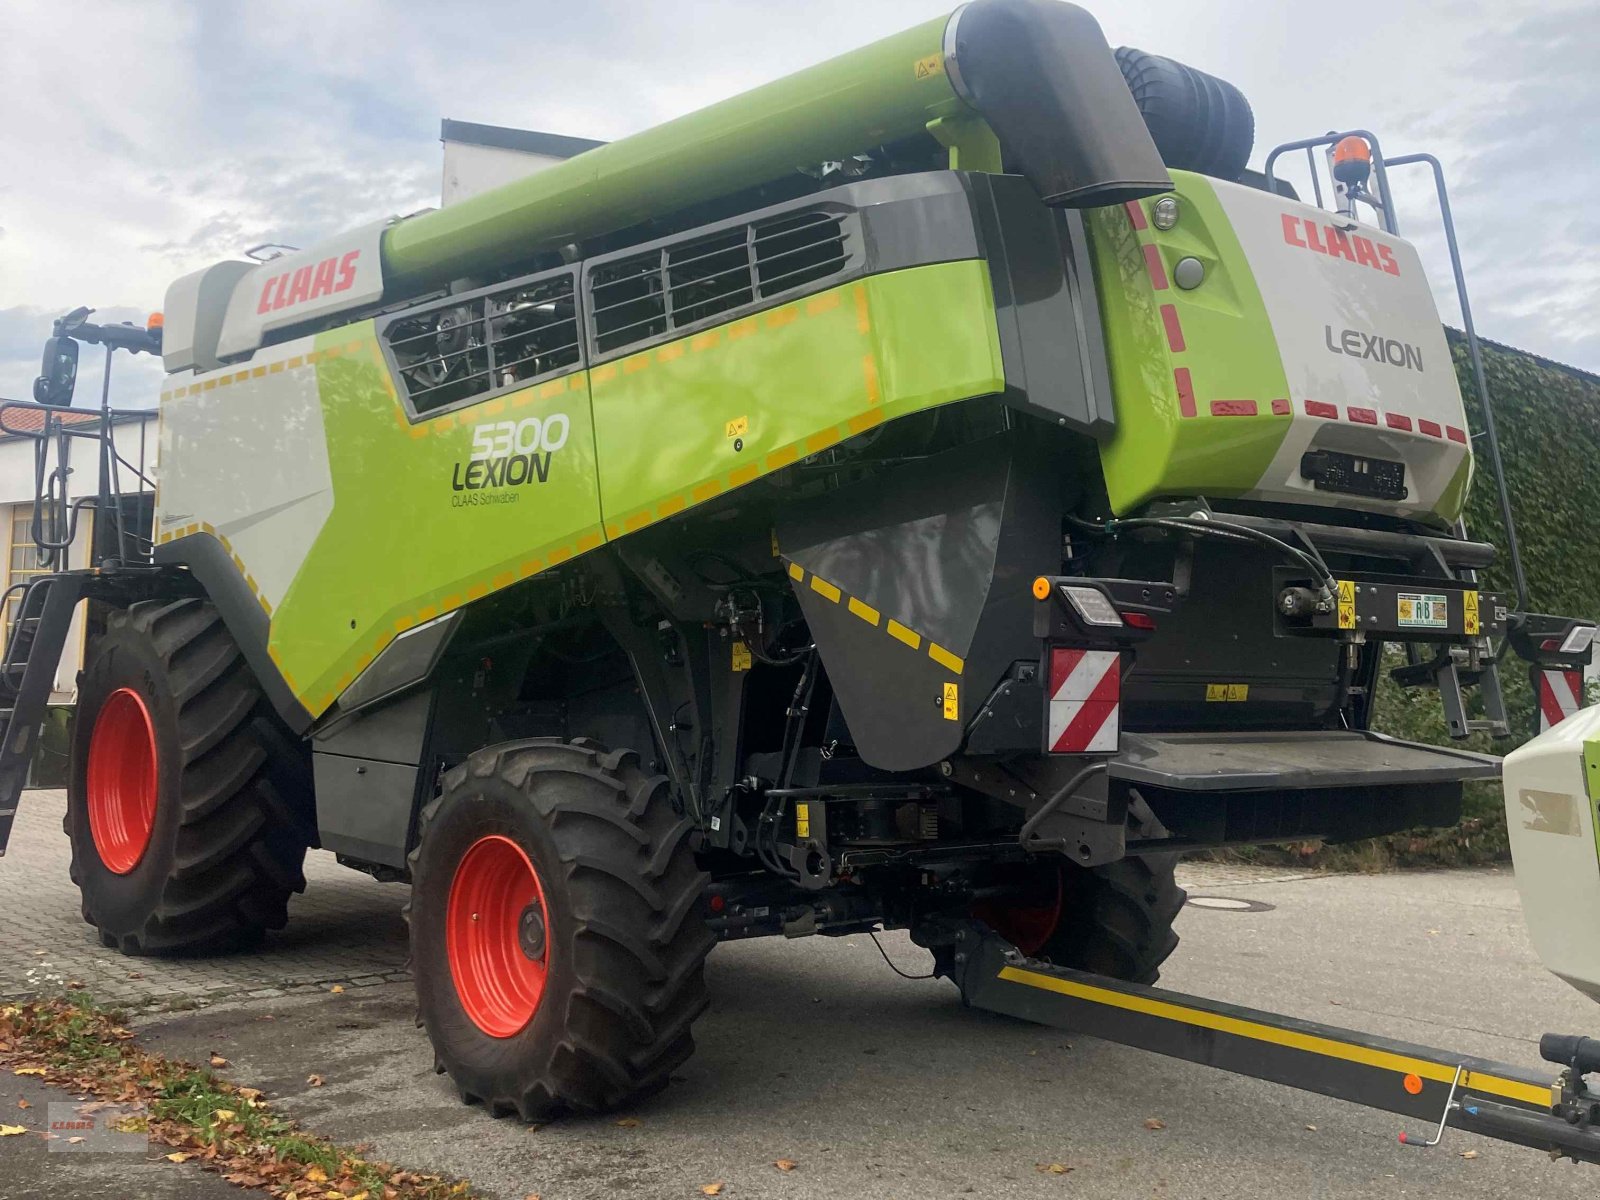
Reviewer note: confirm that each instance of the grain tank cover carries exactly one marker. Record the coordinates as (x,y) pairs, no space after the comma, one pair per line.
(1038,72)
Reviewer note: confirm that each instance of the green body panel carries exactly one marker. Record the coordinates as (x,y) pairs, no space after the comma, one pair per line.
(404,542)
(1229,354)
(879,93)
(677,423)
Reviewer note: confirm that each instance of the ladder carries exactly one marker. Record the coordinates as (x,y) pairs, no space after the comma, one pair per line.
(34,642)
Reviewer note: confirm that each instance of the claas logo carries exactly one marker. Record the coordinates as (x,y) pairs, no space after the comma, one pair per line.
(1336,243)
(325,278)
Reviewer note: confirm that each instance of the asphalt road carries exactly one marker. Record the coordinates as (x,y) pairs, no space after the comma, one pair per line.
(876,1086)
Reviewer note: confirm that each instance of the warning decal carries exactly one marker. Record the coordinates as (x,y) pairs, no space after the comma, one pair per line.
(1347,604)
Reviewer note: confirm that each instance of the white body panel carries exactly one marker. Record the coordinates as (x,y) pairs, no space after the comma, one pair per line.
(266,508)
(1552,827)
(1364,351)
(343,273)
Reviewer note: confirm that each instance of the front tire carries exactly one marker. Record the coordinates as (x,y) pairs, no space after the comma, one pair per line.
(556,933)
(188,802)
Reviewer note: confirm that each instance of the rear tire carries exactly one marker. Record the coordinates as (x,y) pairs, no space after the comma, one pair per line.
(557,938)
(1114,920)
(189,801)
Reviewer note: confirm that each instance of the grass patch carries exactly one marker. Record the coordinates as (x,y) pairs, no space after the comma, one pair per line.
(224,1127)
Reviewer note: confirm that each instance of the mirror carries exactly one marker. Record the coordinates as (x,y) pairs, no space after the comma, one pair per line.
(59,373)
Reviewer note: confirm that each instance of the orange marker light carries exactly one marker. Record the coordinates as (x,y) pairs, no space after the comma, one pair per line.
(1413,1084)
(1041,588)
(155,321)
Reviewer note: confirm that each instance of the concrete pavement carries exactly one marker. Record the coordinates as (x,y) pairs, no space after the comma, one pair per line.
(879,1086)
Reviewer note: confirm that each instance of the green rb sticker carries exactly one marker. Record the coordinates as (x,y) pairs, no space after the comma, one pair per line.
(1423,610)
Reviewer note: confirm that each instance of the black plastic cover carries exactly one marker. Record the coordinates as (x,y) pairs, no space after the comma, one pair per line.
(1042,76)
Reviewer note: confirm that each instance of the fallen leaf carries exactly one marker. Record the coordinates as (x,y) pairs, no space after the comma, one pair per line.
(315,1174)
(533,1196)
(628,1123)
(1469,1154)
(75,985)
(337,988)
(1051,1168)
(178,1156)
(24,1104)
(1312,1128)
(218,1061)
(12,1130)
(224,1114)
(786,1164)
(74,1141)
(28,1071)
(711,1189)
(1154,1123)
(314,1080)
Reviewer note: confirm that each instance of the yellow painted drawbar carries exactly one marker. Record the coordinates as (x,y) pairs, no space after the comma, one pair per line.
(1427,1085)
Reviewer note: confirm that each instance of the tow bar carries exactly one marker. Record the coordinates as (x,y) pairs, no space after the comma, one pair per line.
(1444,1090)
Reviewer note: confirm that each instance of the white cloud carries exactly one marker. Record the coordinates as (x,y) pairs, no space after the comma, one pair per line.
(151,139)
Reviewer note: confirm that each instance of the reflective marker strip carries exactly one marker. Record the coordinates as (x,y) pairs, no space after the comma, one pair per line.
(1560,695)
(1085,698)
(1515,1090)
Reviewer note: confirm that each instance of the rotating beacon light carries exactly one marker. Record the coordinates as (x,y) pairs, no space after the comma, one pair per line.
(1351,163)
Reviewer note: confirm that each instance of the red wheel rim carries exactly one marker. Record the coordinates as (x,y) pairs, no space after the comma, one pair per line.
(497,936)
(122,780)
(1027,927)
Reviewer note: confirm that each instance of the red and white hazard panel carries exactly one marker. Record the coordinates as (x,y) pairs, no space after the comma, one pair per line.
(1085,695)
(1560,695)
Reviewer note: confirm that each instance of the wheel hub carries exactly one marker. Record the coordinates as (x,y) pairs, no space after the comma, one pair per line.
(531,933)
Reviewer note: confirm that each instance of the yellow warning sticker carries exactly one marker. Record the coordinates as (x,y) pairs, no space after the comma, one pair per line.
(1347,604)
(1469,610)
(952,703)
(1227,693)
(738,427)
(802,820)
(927,68)
(741,657)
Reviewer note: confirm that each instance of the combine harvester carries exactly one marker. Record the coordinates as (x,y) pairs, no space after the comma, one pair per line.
(925,492)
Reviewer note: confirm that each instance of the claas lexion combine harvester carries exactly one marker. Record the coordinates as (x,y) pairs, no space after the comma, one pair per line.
(929,491)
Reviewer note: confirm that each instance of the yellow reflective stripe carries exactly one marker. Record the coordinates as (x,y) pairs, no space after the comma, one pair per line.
(944,658)
(864,610)
(1534,1095)
(823,588)
(909,636)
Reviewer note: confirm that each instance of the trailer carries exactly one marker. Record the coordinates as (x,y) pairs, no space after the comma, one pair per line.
(931,491)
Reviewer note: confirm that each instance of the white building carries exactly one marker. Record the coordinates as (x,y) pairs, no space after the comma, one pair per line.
(480,157)
(135,437)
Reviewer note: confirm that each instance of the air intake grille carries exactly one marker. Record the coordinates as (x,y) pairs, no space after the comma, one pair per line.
(490,342)
(687,283)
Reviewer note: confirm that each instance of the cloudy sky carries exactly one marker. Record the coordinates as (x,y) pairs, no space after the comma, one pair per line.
(145,138)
